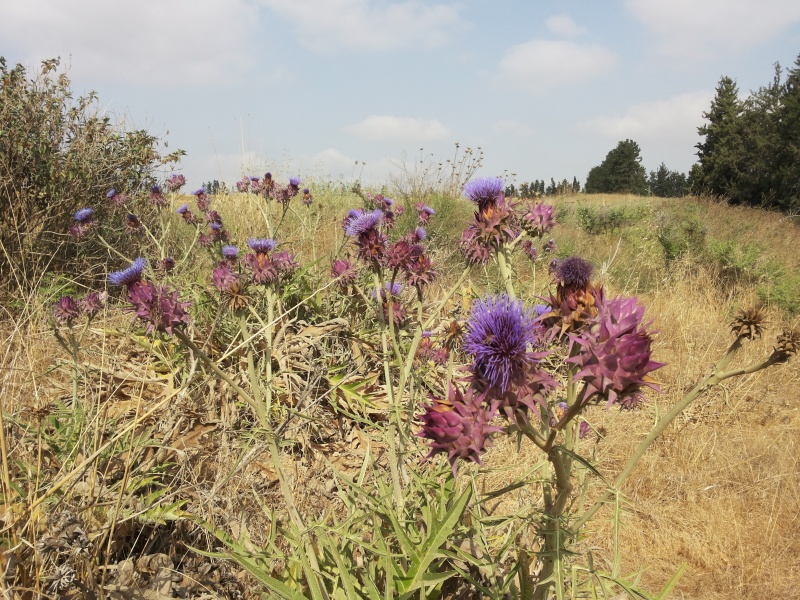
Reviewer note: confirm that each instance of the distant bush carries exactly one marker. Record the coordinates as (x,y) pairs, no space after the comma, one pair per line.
(602,220)
(680,236)
(58,154)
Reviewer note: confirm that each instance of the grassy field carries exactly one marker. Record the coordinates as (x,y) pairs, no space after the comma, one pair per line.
(146,452)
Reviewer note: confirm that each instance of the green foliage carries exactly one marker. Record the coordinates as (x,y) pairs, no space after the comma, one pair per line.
(620,173)
(668,184)
(680,235)
(603,219)
(750,153)
(59,154)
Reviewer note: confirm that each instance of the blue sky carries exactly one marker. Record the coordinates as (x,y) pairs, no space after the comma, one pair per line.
(309,87)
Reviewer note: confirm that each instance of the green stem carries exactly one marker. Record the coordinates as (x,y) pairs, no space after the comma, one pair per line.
(255,384)
(394,416)
(503,264)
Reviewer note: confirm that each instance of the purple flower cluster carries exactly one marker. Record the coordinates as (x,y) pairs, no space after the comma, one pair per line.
(67,309)
(158,306)
(175,182)
(267,266)
(157,197)
(424,213)
(117,199)
(84,223)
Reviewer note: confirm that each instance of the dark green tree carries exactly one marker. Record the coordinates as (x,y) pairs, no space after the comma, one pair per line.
(668,184)
(621,172)
(721,151)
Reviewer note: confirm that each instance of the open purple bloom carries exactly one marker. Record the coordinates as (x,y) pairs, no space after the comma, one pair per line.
(499,333)
(485,191)
(230,252)
(199,192)
(66,310)
(574,273)
(458,426)
(362,222)
(420,234)
(261,245)
(182,209)
(111,193)
(130,275)
(83,215)
(294,182)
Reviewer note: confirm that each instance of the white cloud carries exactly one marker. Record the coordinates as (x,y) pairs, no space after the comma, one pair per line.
(366,24)
(673,120)
(150,41)
(564,25)
(541,65)
(695,29)
(384,128)
(512,127)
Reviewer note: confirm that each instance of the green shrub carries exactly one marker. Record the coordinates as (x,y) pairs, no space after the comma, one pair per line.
(59,154)
(602,220)
(680,235)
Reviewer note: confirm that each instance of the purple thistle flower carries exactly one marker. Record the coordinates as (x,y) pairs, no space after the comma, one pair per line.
(459,427)
(574,273)
(261,245)
(92,303)
(159,307)
(183,209)
(485,191)
(527,247)
(307,197)
(420,234)
(550,246)
(294,182)
(499,332)
(111,193)
(66,310)
(360,223)
(175,182)
(168,264)
(223,277)
(157,196)
(214,226)
(614,358)
(199,192)
(394,289)
(230,252)
(254,179)
(344,271)
(132,223)
(130,275)
(243,186)
(539,219)
(541,309)
(83,215)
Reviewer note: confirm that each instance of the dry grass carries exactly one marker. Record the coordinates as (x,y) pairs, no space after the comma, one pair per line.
(720,490)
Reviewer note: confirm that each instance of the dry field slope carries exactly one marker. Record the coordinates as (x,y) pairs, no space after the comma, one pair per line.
(720,491)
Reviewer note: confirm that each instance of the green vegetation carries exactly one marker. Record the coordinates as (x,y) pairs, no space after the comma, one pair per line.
(750,153)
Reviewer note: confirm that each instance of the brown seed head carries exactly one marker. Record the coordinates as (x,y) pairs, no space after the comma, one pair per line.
(788,344)
(749,322)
